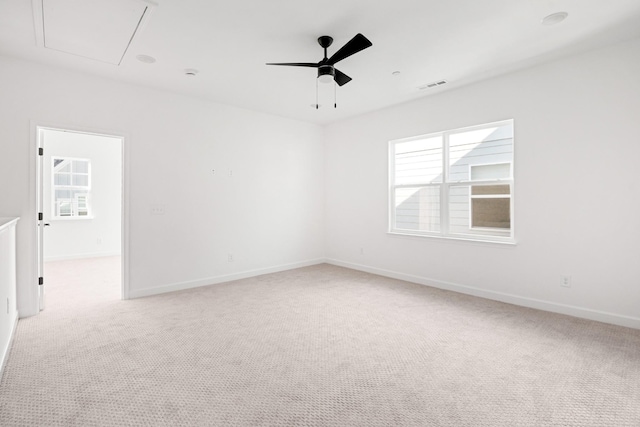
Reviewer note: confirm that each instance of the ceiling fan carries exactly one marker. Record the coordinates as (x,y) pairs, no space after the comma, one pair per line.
(326,68)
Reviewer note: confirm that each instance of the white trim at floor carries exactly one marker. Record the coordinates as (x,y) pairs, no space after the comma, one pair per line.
(7,349)
(81,256)
(570,310)
(137,293)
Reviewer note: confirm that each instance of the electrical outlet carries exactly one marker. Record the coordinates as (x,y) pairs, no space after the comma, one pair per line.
(99,241)
(565,281)
(157,209)
(230,257)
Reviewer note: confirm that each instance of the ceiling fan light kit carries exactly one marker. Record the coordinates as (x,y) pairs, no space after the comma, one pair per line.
(326,67)
(326,74)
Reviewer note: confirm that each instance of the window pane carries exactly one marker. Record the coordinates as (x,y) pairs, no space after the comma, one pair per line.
(62,165)
(418,208)
(80,166)
(491,206)
(459,209)
(496,171)
(62,179)
(81,201)
(491,213)
(479,147)
(418,161)
(64,208)
(81,180)
(479,190)
(480,209)
(63,195)
(81,204)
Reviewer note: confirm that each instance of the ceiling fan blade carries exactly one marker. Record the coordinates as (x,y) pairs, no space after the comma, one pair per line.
(297,64)
(341,78)
(355,45)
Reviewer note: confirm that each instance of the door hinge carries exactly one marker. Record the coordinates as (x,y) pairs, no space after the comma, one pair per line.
(40,217)
(40,280)
(40,151)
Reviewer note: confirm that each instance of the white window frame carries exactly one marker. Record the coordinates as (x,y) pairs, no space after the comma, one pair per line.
(482,234)
(75,202)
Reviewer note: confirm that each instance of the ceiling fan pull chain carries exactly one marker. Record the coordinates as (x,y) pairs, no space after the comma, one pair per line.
(316,94)
(335,95)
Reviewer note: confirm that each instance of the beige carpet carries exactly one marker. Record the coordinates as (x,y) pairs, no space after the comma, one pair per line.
(318,346)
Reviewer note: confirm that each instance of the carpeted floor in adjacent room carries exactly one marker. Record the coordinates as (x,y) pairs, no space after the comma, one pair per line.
(317,346)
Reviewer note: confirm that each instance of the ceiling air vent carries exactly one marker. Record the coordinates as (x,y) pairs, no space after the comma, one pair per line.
(433,84)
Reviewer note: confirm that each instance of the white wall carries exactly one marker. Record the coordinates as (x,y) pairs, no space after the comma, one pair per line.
(576,170)
(577,203)
(269,214)
(99,235)
(8,315)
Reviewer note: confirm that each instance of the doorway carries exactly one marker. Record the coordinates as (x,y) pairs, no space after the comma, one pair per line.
(80,216)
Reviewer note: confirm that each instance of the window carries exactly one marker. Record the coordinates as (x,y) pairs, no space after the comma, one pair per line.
(457,183)
(71,188)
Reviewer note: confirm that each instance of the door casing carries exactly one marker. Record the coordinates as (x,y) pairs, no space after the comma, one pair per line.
(37,290)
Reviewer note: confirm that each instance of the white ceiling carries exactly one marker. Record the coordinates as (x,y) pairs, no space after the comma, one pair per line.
(229,42)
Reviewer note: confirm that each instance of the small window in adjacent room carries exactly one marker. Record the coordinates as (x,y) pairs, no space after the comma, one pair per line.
(71,188)
(456,183)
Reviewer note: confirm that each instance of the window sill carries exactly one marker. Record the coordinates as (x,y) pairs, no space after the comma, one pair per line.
(470,239)
(72,218)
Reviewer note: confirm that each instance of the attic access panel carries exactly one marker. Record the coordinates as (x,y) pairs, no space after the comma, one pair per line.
(96,29)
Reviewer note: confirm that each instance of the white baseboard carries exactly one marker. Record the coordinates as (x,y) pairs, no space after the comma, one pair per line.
(7,348)
(80,256)
(138,293)
(570,310)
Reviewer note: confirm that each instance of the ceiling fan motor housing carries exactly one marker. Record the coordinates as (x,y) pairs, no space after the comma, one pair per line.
(326,73)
